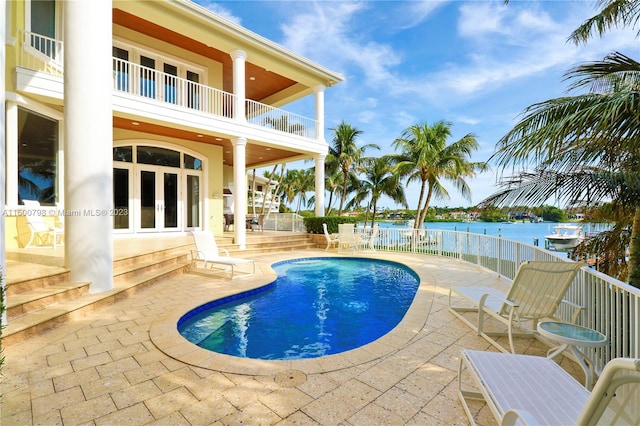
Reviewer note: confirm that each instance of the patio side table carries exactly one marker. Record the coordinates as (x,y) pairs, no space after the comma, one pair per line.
(571,337)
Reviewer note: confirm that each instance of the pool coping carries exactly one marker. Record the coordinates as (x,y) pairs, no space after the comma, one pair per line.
(165,336)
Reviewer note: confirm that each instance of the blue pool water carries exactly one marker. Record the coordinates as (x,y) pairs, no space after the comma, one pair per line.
(316,307)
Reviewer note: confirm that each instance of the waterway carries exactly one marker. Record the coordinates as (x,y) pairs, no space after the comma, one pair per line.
(525,232)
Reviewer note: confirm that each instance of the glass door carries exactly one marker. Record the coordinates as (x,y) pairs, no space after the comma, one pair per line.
(158,190)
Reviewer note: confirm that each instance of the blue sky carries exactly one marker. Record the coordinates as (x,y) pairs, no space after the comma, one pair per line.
(477,64)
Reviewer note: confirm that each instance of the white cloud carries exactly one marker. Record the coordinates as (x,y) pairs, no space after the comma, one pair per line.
(221,10)
(340,47)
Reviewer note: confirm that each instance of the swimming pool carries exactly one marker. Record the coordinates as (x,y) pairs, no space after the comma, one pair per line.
(316,307)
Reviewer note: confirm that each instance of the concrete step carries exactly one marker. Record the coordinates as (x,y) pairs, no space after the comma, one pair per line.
(36,304)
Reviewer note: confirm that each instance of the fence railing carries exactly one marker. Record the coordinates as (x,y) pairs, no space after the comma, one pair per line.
(41,53)
(283,121)
(46,55)
(610,306)
(284,222)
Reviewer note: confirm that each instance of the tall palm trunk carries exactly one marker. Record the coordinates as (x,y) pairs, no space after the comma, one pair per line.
(423,211)
(634,251)
(416,224)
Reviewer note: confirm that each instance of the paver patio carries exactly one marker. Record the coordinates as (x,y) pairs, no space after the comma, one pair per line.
(125,363)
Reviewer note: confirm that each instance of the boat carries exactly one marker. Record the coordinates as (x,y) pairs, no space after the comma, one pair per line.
(565,237)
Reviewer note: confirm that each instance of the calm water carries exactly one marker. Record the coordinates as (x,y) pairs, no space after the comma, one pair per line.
(518,231)
(317,307)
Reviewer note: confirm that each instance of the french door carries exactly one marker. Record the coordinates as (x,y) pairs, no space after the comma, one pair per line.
(158,199)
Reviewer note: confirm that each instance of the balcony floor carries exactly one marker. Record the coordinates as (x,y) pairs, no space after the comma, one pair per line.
(112,368)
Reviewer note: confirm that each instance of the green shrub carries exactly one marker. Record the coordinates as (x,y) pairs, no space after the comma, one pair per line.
(314,224)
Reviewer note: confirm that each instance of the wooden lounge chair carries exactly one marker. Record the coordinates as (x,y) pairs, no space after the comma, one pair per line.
(207,251)
(525,389)
(42,233)
(535,293)
(331,239)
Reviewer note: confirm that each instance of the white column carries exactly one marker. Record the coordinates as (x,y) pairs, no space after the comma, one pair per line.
(3,268)
(240,192)
(320,184)
(11,154)
(88,142)
(319,92)
(239,90)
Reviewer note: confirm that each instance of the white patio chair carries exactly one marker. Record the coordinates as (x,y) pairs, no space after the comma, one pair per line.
(332,239)
(348,238)
(533,390)
(535,293)
(42,232)
(207,251)
(367,240)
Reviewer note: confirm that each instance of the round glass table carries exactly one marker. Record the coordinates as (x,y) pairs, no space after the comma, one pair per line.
(572,337)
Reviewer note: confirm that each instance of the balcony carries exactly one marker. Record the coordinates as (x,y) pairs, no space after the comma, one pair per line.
(45,55)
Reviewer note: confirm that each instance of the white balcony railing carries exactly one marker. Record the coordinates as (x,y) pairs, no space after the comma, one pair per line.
(137,80)
(40,53)
(275,118)
(610,306)
(44,54)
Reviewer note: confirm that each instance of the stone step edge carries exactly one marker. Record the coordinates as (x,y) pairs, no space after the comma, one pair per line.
(34,323)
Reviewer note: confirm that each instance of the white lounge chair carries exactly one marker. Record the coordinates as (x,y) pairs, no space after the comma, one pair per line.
(42,232)
(348,238)
(331,238)
(207,251)
(525,389)
(535,293)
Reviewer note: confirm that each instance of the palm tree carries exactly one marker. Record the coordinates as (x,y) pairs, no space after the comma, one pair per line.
(585,146)
(379,179)
(425,157)
(346,154)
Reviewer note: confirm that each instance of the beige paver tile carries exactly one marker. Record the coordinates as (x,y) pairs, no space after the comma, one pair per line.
(40,388)
(63,357)
(125,351)
(137,414)
(255,413)
(341,403)
(52,417)
(427,381)
(287,401)
(40,372)
(170,402)
(204,388)
(175,379)
(151,356)
(102,347)
(131,395)
(173,419)
(44,405)
(14,402)
(88,410)
(95,388)
(91,361)
(74,379)
(373,414)
(16,419)
(146,372)
(208,411)
(298,419)
(117,366)
(403,404)
(81,343)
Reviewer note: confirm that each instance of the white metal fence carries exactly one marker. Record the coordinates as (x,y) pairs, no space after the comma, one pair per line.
(284,222)
(275,118)
(610,306)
